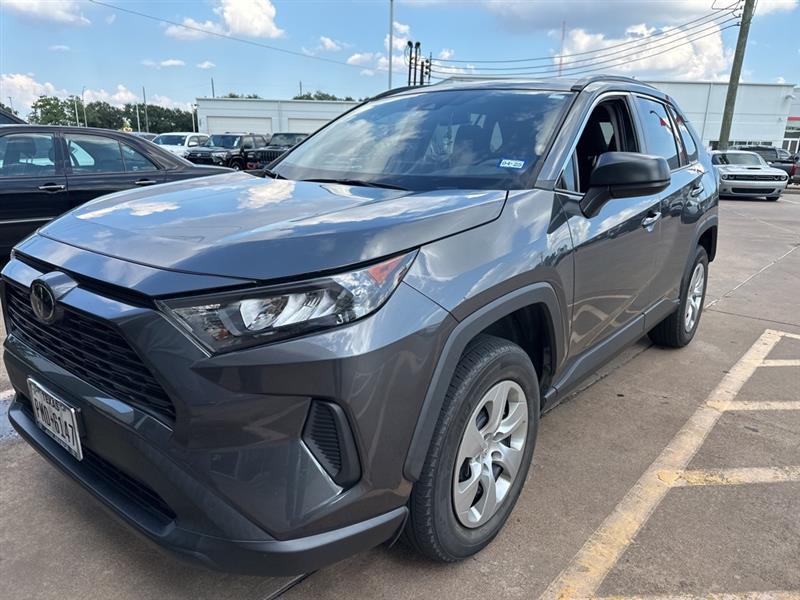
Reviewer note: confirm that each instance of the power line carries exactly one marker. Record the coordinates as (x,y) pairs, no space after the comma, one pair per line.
(717,13)
(619,62)
(711,28)
(225,35)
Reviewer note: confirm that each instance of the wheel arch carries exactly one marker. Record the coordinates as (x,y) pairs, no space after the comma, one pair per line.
(536,303)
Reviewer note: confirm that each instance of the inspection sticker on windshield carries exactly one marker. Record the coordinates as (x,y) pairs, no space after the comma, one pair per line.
(511,164)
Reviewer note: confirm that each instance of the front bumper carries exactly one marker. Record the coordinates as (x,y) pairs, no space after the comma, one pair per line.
(751,189)
(231,481)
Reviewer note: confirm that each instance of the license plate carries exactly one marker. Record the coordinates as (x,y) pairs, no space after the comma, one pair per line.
(56,418)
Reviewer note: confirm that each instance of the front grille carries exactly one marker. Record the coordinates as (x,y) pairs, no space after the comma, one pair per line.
(90,349)
(267,156)
(201,160)
(755,177)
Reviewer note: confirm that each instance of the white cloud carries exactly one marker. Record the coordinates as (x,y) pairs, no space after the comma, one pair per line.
(446,53)
(194,33)
(254,18)
(60,11)
(168,62)
(780,80)
(676,56)
(111,18)
(121,95)
(361,58)
(402,33)
(168,102)
(24,90)
(58,48)
(329,44)
(206,64)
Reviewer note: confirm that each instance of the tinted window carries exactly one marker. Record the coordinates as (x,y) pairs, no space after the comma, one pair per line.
(261,141)
(27,155)
(170,139)
(569,177)
(737,158)
(487,139)
(686,136)
(248,143)
(94,154)
(135,161)
(223,141)
(659,136)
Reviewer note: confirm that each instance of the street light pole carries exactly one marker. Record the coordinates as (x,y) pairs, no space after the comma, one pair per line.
(391,39)
(83,104)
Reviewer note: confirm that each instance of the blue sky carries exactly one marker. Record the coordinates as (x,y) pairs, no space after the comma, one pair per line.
(61,46)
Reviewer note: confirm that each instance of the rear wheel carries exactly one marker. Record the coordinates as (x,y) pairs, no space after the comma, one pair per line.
(480,452)
(236,165)
(678,329)
(773,198)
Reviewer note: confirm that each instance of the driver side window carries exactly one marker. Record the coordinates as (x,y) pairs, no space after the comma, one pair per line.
(608,129)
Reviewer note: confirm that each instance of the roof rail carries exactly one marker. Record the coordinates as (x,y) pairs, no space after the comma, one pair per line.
(582,83)
(396,90)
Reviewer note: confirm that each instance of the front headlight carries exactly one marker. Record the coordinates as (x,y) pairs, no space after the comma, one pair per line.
(724,176)
(219,154)
(233,320)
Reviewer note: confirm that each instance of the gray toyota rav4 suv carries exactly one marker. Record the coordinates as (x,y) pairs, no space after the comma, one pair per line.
(268,374)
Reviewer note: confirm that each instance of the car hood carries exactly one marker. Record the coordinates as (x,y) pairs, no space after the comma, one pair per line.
(744,170)
(173,148)
(209,149)
(237,225)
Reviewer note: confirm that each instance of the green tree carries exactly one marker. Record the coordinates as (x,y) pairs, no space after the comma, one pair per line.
(161,119)
(235,95)
(103,114)
(49,110)
(8,109)
(320,95)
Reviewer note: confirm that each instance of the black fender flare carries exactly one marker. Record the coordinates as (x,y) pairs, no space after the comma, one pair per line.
(705,225)
(466,330)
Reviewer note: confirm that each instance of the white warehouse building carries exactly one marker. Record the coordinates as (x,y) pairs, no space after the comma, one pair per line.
(218,115)
(761,116)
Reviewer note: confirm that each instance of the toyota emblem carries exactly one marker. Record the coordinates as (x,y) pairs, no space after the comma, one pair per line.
(43,302)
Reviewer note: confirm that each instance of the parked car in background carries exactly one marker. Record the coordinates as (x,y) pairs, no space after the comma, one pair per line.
(774,157)
(226,149)
(7,118)
(280,143)
(746,174)
(180,142)
(273,376)
(46,170)
(145,135)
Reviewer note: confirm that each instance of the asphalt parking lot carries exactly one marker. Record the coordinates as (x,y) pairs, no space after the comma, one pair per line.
(673,473)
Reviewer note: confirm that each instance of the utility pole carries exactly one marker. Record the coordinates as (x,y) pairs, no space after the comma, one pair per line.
(138,122)
(83,104)
(736,72)
(391,39)
(146,120)
(75,104)
(212,88)
(301,88)
(11,103)
(561,54)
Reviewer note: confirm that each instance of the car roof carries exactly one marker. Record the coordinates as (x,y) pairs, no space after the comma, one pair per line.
(733,152)
(182,133)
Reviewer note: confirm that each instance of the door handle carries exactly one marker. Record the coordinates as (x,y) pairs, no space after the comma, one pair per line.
(145,182)
(650,220)
(697,189)
(52,187)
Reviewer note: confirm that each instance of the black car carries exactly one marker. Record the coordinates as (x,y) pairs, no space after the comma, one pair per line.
(275,375)
(226,149)
(46,170)
(8,118)
(277,146)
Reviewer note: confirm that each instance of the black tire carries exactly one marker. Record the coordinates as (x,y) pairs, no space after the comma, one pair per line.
(236,165)
(433,528)
(774,198)
(672,331)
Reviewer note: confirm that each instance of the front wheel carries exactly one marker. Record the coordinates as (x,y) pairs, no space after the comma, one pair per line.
(774,198)
(480,452)
(678,329)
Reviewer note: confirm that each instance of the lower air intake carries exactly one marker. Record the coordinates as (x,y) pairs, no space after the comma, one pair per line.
(327,434)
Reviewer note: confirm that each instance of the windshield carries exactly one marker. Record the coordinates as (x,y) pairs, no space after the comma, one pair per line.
(286,139)
(170,140)
(468,139)
(223,141)
(736,158)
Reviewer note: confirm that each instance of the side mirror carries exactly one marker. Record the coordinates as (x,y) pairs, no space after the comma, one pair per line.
(624,175)
(193,143)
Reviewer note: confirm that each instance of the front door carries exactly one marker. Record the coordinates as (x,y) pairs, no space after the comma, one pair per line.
(33,188)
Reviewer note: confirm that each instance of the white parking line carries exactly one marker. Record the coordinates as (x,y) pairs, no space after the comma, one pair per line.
(774,595)
(737,476)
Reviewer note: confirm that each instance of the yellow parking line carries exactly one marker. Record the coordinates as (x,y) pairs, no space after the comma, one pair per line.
(773,595)
(761,405)
(781,362)
(790,335)
(741,476)
(583,576)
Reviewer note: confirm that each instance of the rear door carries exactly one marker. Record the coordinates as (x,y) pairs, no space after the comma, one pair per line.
(32,184)
(101,165)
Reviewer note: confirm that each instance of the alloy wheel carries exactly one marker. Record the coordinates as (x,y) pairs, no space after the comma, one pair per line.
(491,451)
(694,297)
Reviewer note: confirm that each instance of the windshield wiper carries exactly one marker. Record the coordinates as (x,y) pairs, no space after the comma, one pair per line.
(358,182)
(271,173)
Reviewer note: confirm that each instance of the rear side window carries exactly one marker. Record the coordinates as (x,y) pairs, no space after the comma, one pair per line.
(686,136)
(659,136)
(94,154)
(135,161)
(27,155)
